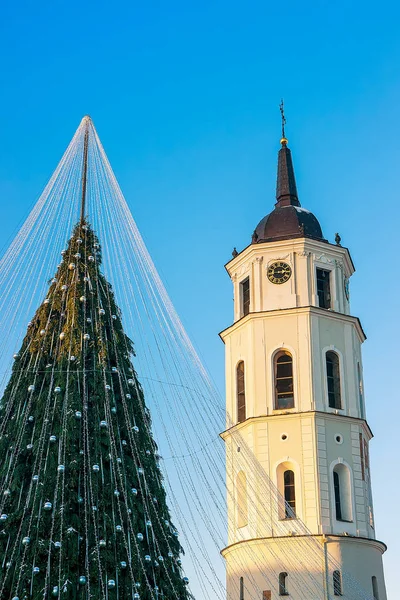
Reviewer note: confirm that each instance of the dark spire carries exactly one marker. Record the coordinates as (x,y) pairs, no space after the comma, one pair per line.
(286,191)
(86,124)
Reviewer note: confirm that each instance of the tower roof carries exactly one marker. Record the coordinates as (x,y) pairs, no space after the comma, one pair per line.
(288,219)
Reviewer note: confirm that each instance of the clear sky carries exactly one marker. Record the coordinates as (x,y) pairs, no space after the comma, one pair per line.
(185,98)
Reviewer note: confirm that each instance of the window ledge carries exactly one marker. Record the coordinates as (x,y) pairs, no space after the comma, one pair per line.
(344,521)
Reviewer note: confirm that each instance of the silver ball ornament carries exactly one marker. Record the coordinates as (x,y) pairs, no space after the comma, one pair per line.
(47,506)
(61,468)
(3,517)
(140,537)
(111,584)
(26,541)
(82,580)
(96,468)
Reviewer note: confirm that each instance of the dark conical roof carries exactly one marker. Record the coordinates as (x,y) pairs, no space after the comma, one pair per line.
(288,219)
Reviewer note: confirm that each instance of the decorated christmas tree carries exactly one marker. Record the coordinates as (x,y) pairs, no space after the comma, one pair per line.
(83,511)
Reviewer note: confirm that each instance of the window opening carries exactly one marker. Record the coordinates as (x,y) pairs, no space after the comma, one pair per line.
(333,379)
(338,504)
(241,596)
(375,588)
(290,494)
(324,288)
(337,583)
(245,296)
(284,397)
(360,392)
(240,392)
(282,584)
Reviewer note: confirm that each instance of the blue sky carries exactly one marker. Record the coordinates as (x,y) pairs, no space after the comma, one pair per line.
(185,99)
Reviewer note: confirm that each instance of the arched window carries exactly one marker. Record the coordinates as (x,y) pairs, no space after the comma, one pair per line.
(337,584)
(289,494)
(241,492)
(282,584)
(283,368)
(375,588)
(333,379)
(342,492)
(240,392)
(241,585)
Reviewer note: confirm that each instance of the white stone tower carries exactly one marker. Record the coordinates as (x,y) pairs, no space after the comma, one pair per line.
(295,396)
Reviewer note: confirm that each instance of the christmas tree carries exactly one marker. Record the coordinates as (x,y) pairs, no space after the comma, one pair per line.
(83,510)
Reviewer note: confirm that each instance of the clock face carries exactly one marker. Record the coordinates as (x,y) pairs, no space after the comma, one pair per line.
(279,272)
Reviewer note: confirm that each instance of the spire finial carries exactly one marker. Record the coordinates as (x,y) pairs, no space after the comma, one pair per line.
(86,123)
(282,109)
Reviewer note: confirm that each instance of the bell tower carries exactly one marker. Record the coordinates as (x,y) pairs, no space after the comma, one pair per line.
(294,393)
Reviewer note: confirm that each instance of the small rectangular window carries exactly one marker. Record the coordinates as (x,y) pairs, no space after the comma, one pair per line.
(245,296)
(324,288)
